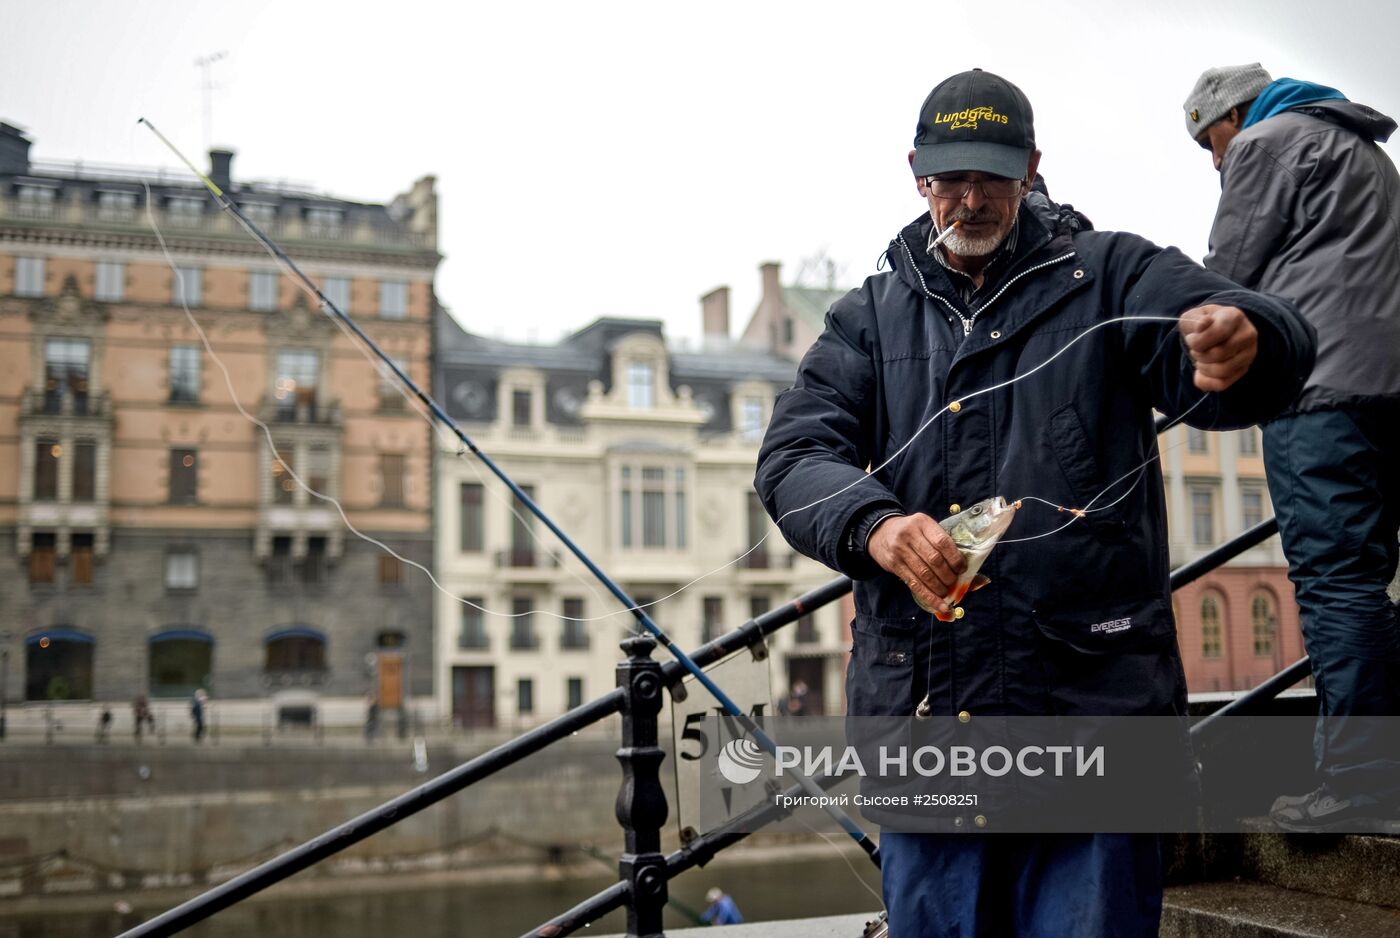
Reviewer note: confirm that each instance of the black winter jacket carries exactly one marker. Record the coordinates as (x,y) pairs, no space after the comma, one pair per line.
(893,353)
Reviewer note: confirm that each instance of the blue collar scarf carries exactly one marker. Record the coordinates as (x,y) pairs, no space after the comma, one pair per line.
(1284,95)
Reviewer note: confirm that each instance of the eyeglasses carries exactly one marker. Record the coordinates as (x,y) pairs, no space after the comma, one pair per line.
(956,188)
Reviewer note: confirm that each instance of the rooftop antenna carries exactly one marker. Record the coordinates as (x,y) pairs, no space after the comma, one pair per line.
(207,86)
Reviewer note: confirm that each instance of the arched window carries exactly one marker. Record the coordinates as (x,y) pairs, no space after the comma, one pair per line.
(1211,631)
(58,665)
(1264,619)
(295,650)
(180,662)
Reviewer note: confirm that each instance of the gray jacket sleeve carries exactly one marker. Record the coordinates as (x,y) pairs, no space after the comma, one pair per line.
(1257,203)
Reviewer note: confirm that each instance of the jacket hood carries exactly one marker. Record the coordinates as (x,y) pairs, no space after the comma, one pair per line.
(1041,222)
(1366,121)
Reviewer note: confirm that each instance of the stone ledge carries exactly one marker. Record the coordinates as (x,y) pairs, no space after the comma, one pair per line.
(1252,910)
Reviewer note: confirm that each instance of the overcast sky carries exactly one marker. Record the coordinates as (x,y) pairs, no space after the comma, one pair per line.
(622,159)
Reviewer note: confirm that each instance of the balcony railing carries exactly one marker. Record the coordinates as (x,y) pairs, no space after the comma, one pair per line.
(308,412)
(526,558)
(37,402)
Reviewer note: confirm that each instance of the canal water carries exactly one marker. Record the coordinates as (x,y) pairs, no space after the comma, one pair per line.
(404,907)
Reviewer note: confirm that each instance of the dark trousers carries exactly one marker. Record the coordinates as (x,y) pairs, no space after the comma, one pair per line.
(1334,476)
(1022,885)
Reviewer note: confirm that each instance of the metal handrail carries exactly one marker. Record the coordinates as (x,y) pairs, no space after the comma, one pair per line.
(449,783)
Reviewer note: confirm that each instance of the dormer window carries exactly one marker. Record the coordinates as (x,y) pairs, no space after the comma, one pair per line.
(185,211)
(641,384)
(260,213)
(323,222)
(751,419)
(116,205)
(35,201)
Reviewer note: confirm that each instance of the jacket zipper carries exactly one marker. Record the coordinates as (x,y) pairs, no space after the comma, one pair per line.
(966,322)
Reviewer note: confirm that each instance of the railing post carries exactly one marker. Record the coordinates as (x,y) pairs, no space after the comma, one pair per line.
(641,802)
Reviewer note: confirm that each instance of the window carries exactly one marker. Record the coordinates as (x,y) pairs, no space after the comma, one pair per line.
(573,692)
(298,374)
(181,661)
(756,530)
(84,471)
(522,625)
(80,559)
(1249,441)
(181,569)
(295,650)
(185,211)
(520,408)
(279,565)
(525,696)
(393,299)
(323,222)
(337,290)
(625,506)
(111,281)
(575,634)
(787,330)
(313,566)
(47,453)
(751,419)
(1252,506)
(35,202)
(1263,621)
(116,206)
(184,476)
(472,636)
(1211,643)
(641,384)
(391,398)
(318,469)
(1196,441)
(390,570)
(66,374)
(29,276)
(262,290)
(679,497)
(43,553)
(653,507)
(184,374)
(187,286)
(1202,517)
(473,520)
(807,629)
(522,530)
(58,666)
(259,213)
(758,605)
(284,487)
(712,618)
(391,473)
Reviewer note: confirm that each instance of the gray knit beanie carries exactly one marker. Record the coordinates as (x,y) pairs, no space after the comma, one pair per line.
(1218,90)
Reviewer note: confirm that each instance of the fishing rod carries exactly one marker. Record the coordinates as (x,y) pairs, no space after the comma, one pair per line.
(746,722)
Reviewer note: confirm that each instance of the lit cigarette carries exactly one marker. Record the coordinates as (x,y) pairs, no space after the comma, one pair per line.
(943,236)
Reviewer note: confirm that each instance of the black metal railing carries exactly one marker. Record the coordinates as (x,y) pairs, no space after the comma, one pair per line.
(641,806)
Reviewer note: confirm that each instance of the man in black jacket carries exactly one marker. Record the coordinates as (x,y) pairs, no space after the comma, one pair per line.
(927,360)
(1310,211)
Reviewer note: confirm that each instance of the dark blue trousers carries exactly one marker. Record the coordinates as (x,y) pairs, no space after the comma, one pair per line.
(1334,476)
(1022,885)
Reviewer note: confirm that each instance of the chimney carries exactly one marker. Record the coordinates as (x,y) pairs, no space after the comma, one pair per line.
(714,314)
(14,150)
(221,168)
(772,290)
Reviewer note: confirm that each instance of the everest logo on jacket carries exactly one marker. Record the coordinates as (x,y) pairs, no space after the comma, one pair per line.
(1111,626)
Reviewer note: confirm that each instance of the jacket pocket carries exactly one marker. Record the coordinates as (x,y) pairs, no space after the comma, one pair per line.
(880,677)
(1082,473)
(1111,658)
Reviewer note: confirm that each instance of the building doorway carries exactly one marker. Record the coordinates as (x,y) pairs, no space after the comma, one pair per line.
(474,697)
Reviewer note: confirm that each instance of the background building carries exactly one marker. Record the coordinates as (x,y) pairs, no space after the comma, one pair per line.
(154,544)
(644,454)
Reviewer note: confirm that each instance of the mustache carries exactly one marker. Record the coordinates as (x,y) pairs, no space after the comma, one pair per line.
(969,216)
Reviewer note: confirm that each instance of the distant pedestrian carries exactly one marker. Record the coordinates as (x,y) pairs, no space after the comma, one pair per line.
(142,716)
(722,910)
(371,717)
(104,724)
(197,713)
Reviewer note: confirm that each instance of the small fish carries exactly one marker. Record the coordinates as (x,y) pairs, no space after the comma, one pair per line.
(975,531)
